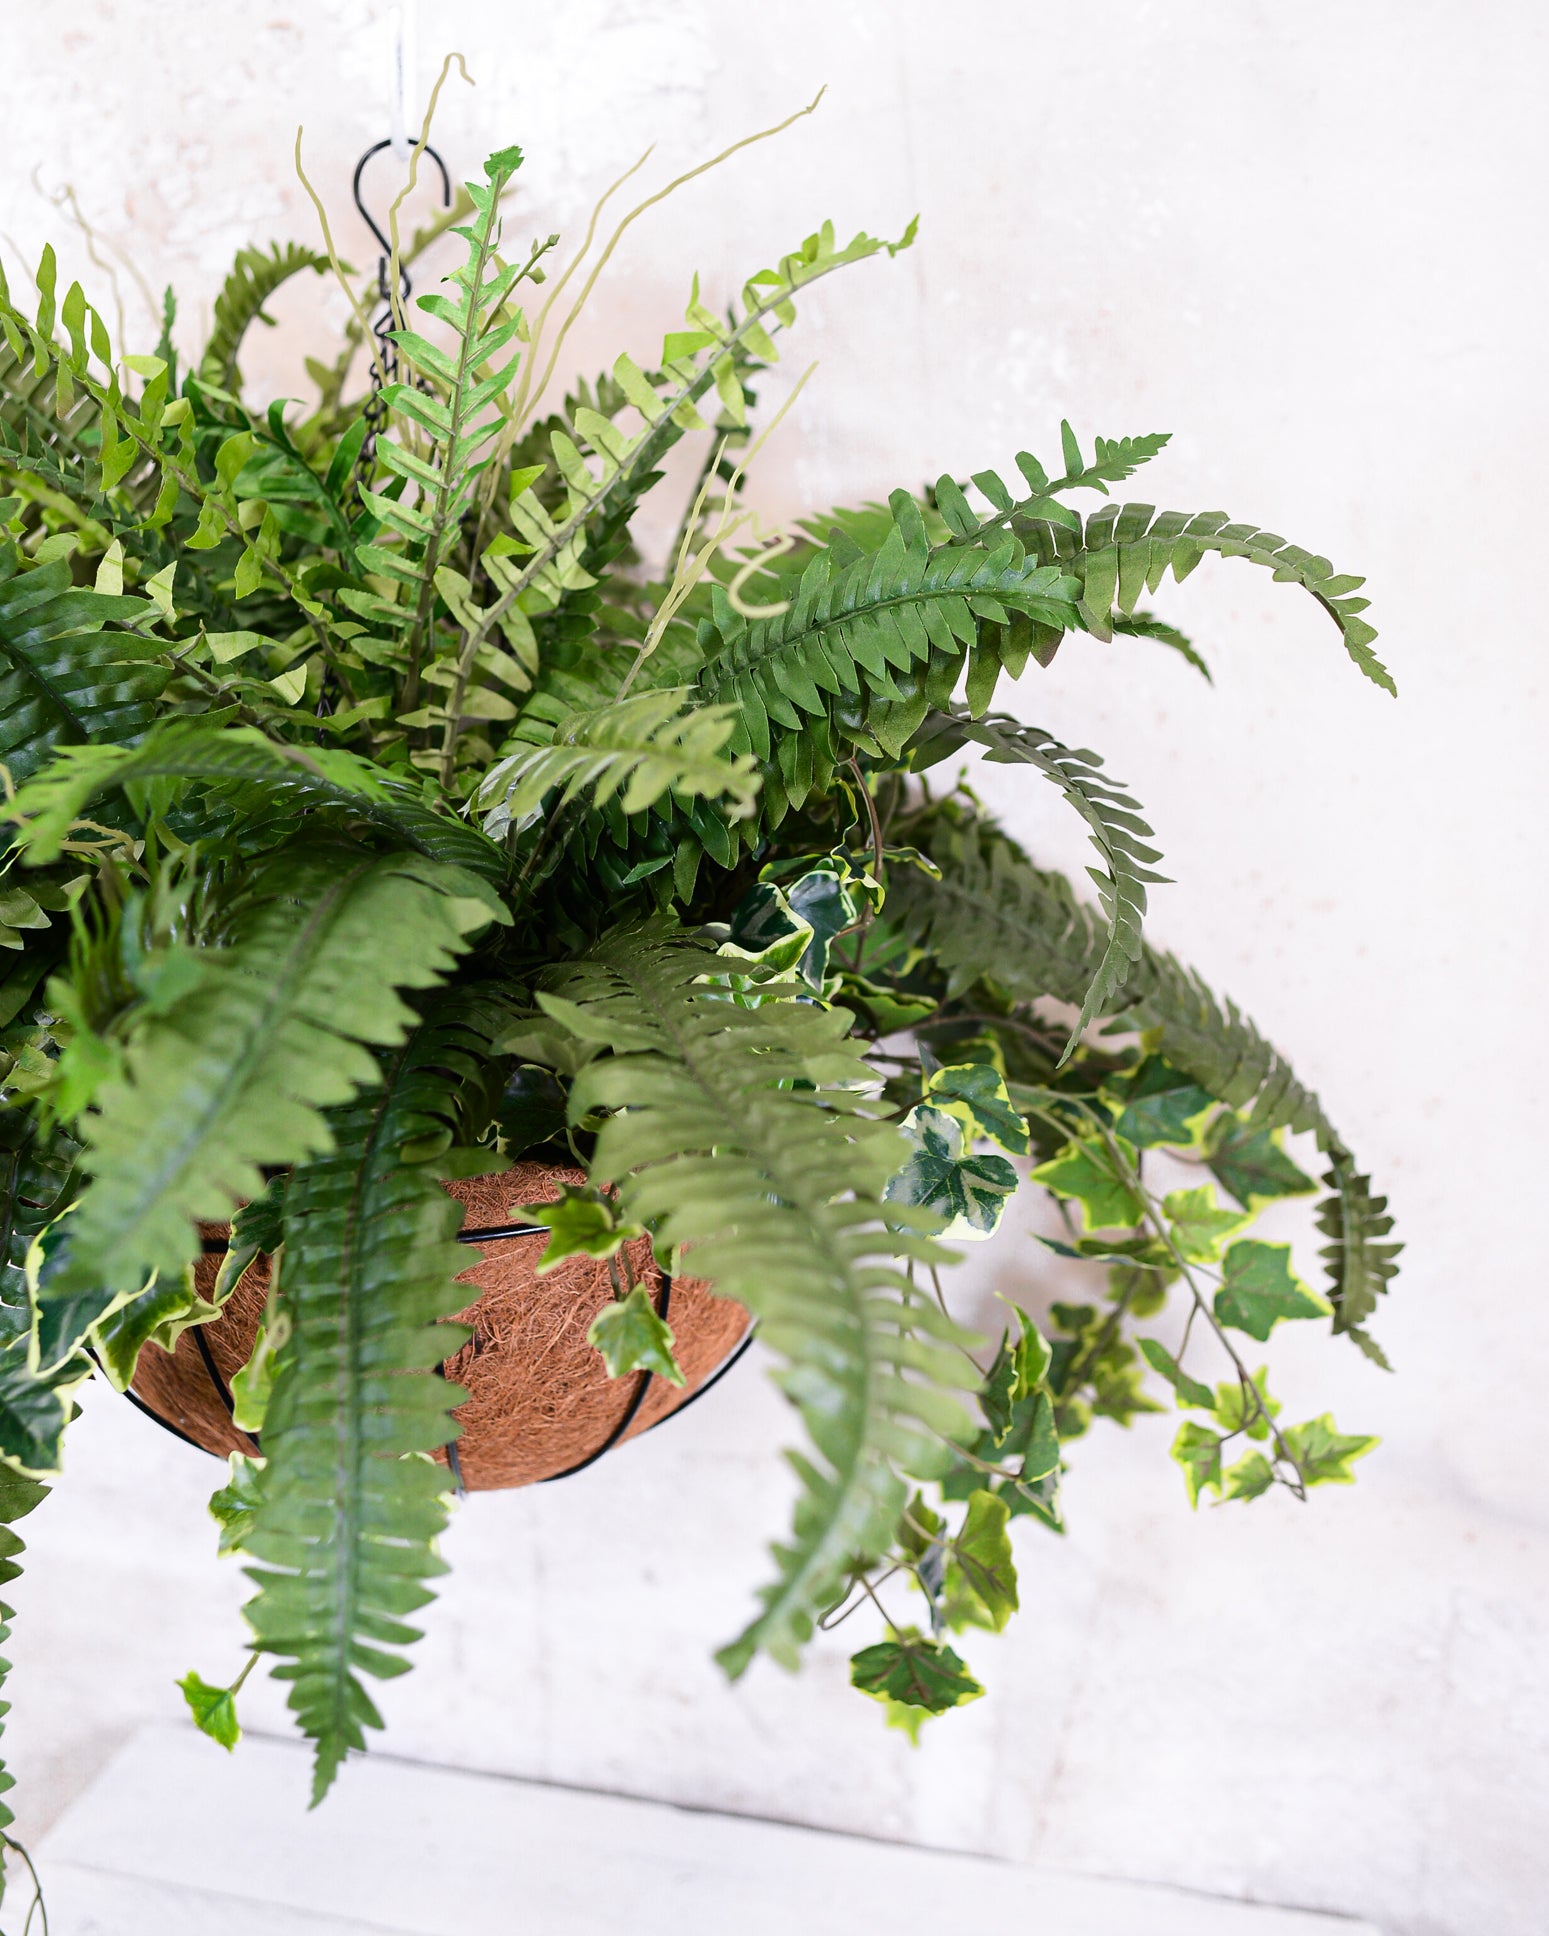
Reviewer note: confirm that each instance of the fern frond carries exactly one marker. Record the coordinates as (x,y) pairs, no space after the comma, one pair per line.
(254,774)
(18,1497)
(1118,833)
(452,421)
(866,631)
(1126,549)
(1360,1256)
(635,750)
(65,678)
(35,439)
(349,1506)
(234,1075)
(993,916)
(775,1192)
(254,277)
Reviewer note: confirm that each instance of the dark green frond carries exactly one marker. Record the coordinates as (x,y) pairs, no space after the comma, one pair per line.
(253,775)
(274,1028)
(350,1508)
(1126,549)
(864,646)
(774,1191)
(1118,833)
(255,276)
(65,678)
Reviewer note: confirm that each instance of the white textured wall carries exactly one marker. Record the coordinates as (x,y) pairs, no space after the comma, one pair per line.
(1308,240)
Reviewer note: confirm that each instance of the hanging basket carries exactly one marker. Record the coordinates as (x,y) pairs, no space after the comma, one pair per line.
(540,1402)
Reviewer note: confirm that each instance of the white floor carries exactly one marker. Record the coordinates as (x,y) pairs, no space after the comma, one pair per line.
(403,1850)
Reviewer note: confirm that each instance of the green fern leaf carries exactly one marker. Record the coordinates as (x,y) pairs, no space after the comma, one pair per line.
(236,1074)
(64,677)
(1126,549)
(635,750)
(1117,832)
(255,276)
(254,775)
(774,1190)
(18,1497)
(861,637)
(349,1507)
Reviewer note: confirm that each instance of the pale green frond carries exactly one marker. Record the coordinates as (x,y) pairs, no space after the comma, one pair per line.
(635,750)
(738,1134)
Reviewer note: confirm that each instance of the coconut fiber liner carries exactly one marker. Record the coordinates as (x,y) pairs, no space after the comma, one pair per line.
(540,1402)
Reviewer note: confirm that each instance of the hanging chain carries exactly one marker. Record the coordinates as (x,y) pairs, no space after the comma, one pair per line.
(384,363)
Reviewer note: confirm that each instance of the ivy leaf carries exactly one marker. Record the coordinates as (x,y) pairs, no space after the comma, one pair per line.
(1198,1451)
(1199,1225)
(1259,1288)
(968,1192)
(766,929)
(998,1391)
(1323,1454)
(1237,1410)
(975,1092)
(1250,1165)
(1190,1391)
(1034,1355)
(1087,1173)
(631,1337)
(908,1720)
(1162,1105)
(233,1508)
(580,1222)
(983,1552)
(214,1710)
(1249,1477)
(887,1009)
(1040,1497)
(914,1672)
(828,906)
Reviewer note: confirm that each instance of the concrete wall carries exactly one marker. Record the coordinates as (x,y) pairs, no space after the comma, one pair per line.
(1308,241)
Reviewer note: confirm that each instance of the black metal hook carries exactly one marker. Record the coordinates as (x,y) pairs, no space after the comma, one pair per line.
(365,214)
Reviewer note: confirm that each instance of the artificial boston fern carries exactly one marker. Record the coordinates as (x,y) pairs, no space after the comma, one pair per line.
(360,775)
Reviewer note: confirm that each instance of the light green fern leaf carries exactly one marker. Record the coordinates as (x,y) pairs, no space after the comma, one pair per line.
(252,773)
(1118,833)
